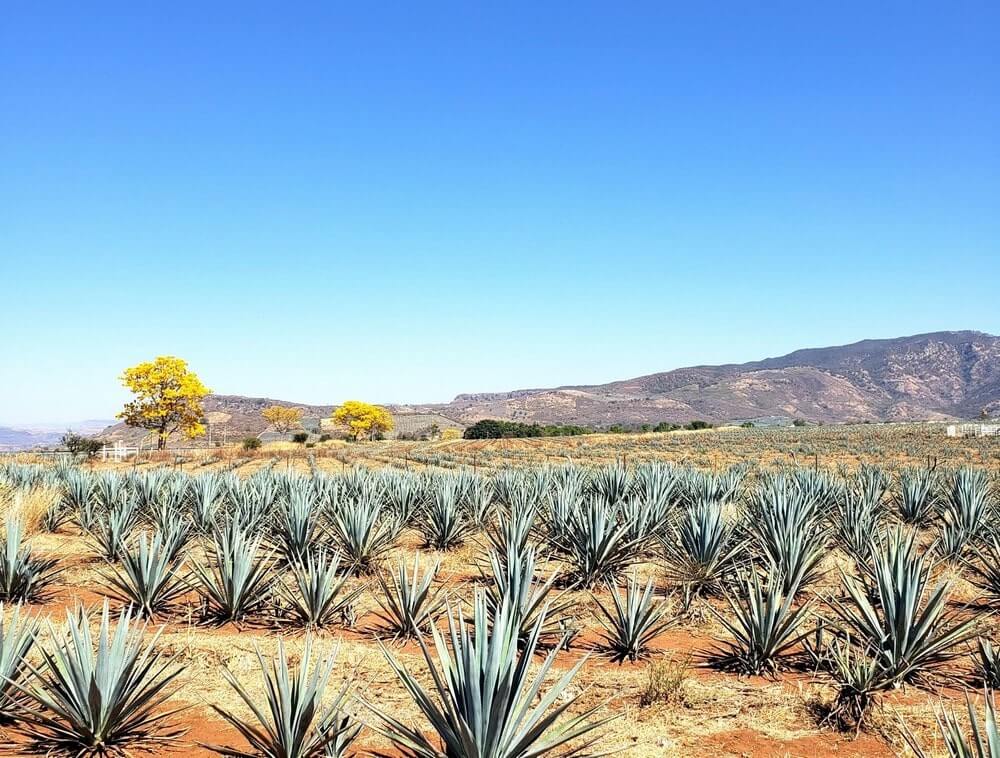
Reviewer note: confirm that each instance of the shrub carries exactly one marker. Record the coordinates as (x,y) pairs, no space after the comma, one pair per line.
(251,443)
(77,444)
(698,424)
(300,437)
(666,681)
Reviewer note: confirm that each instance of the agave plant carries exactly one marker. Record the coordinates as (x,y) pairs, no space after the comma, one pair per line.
(205,499)
(634,621)
(917,502)
(909,630)
(597,546)
(985,569)
(300,721)
(111,533)
(17,637)
(298,527)
(408,601)
(24,577)
(235,584)
(788,534)
(484,700)
(703,549)
(860,521)
(988,663)
(404,496)
(767,626)
(612,483)
(982,742)
(510,580)
(103,698)
(56,514)
(364,533)
(443,523)
(317,595)
(968,502)
(148,579)
(511,531)
(859,679)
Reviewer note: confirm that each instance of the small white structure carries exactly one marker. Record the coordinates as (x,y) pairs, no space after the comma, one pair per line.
(973,430)
(118,452)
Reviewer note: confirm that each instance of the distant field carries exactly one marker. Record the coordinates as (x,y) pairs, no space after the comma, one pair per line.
(827,447)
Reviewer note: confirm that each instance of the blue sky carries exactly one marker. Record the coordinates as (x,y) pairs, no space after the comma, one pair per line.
(402,201)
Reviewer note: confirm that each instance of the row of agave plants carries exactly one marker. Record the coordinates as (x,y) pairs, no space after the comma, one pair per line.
(758,541)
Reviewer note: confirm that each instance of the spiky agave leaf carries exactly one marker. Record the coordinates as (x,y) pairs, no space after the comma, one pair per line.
(444,524)
(982,740)
(235,583)
(597,546)
(909,628)
(766,628)
(988,663)
(206,495)
(510,580)
(364,532)
(917,501)
(968,501)
(147,578)
(484,701)
(103,698)
(316,595)
(788,534)
(17,637)
(511,531)
(703,548)
(634,621)
(409,601)
(24,577)
(111,533)
(297,527)
(299,720)
(984,569)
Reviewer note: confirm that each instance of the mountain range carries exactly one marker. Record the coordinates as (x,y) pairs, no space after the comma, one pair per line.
(925,377)
(936,376)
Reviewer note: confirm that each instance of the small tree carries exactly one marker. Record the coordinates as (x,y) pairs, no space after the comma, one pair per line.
(363,420)
(167,399)
(77,444)
(282,418)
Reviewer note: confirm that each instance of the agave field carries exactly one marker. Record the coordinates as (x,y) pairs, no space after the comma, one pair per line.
(652,609)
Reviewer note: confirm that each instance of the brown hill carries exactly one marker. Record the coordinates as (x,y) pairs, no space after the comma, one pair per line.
(924,377)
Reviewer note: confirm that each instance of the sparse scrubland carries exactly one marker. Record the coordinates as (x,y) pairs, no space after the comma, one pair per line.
(804,591)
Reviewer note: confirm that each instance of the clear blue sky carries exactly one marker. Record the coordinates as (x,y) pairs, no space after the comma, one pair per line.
(401,201)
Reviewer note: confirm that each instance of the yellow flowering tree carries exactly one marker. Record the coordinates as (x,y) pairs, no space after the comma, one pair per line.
(363,420)
(167,399)
(282,418)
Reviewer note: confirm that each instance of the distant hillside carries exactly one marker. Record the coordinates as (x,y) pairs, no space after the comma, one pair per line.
(934,376)
(232,418)
(923,377)
(31,436)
